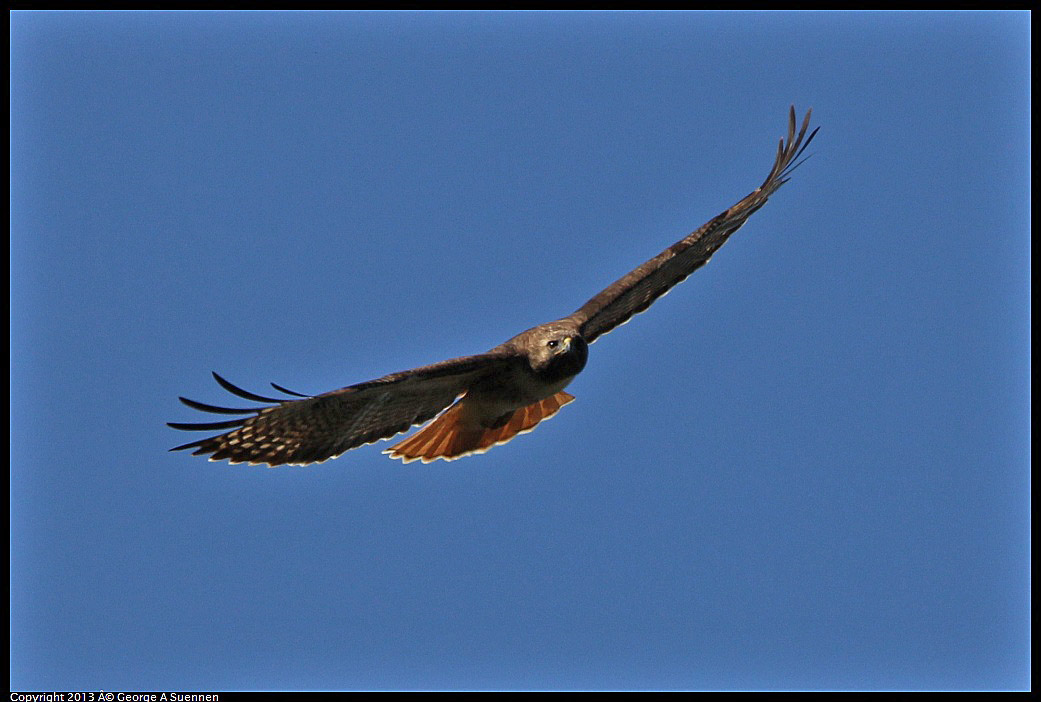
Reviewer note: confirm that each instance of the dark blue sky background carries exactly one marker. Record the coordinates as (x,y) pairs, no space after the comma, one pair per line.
(807,467)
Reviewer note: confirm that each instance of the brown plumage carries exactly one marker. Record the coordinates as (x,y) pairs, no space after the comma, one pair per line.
(498,395)
(455,434)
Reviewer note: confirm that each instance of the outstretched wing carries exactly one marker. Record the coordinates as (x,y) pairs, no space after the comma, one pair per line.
(634,293)
(317,428)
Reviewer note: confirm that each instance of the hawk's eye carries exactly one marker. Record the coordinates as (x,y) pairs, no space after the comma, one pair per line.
(552,343)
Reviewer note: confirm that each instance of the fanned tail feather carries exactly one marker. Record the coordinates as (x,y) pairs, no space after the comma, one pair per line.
(449,438)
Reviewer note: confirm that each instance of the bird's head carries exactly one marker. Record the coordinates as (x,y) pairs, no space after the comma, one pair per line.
(556,351)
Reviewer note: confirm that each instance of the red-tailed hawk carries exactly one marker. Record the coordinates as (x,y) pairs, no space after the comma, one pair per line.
(497,395)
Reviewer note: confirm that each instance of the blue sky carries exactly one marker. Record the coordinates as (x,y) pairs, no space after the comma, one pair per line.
(806,468)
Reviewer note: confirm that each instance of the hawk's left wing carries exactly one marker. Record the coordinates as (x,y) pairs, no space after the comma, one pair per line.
(635,292)
(313,429)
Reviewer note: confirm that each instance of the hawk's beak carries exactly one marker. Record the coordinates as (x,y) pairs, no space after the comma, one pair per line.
(567,343)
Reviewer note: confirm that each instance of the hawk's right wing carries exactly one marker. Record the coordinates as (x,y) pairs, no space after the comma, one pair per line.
(317,428)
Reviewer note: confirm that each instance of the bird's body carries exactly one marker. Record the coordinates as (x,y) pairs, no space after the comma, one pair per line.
(497,395)
(528,388)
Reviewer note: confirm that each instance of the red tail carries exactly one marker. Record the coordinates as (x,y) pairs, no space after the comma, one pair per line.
(448,438)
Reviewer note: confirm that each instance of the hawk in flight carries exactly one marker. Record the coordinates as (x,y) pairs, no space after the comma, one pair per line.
(494,396)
